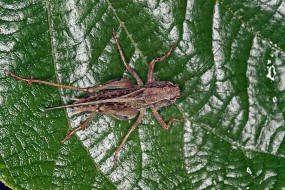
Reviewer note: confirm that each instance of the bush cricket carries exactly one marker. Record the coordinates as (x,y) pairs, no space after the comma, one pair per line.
(120,98)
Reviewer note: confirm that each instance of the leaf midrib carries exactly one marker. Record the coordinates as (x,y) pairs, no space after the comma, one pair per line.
(61,95)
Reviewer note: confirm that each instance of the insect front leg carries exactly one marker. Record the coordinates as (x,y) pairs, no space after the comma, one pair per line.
(151,65)
(160,120)
(128,134)
(139,81)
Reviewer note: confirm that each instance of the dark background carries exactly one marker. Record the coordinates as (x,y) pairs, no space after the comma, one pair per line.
(3,187)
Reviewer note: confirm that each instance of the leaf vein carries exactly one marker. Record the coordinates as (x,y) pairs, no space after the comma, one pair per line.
(224,138)
(247,26)
(127,32)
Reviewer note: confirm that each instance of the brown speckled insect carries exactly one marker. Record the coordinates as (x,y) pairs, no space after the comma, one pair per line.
(120,98)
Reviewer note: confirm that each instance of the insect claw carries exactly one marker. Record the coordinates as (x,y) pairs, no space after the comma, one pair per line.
(66,137)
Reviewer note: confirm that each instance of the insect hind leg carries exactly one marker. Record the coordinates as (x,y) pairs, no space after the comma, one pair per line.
(127,135)
(82,126)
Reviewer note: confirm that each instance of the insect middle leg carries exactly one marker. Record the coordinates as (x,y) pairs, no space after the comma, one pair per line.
(160,120)
(139,81)
(128,134)
(151,65)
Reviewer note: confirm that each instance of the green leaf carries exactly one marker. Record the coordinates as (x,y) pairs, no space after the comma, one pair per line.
(228,61)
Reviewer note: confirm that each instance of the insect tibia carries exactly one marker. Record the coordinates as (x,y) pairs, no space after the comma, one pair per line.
(57,107)
(85,109)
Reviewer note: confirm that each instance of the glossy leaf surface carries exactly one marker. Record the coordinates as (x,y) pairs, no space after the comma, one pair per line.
(229,63)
